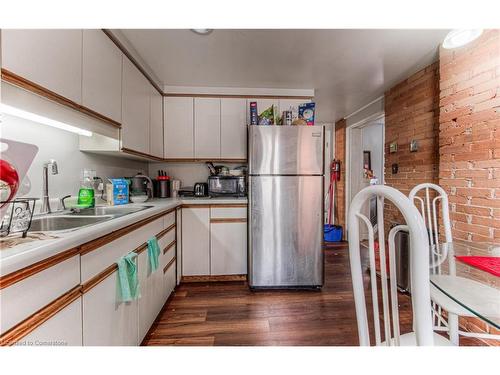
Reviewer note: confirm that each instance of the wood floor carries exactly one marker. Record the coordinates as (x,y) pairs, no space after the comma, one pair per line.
(230,314)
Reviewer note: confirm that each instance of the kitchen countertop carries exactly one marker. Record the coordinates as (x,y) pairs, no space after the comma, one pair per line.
(26,254)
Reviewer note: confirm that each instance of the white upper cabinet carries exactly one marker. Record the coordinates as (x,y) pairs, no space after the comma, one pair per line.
(102,75)
(207,128)
(233,129)
(179,127)
(156,124)
(50,58)
(136,96)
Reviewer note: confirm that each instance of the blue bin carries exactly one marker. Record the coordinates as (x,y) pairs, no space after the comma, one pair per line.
(333,233)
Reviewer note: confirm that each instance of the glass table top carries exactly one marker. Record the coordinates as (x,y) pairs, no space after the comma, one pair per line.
(475,290)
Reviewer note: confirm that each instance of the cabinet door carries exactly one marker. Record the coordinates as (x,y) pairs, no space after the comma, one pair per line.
(169,281)
(135,104)
(156,124)
(106,320)
(262,105)
(195,241)
(102,75)
(151,301)
(228,248)
(50,58)
(62,329)
(179,128)
(207,128)
(233,129)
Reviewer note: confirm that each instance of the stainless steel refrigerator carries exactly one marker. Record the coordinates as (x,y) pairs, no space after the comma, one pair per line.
(285,179)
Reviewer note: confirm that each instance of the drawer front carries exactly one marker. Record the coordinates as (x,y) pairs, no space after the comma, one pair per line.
(167,239)
(169,219)
(97,260)
(27,296)
(228,213)
(63,329)
(169,255)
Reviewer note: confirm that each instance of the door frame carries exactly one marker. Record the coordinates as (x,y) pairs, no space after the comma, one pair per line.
(359,125)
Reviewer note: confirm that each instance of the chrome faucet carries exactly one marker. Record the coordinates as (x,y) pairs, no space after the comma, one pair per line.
(52,164)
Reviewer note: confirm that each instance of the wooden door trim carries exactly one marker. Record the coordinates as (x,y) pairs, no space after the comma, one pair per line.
(36,319)
(33,269)
(228,220)
(37,89)
(165,231)
(204,205)
(141,154)
(169,246)
(212,278)
(169,264)
(104,240)
(230,205)
(97,279)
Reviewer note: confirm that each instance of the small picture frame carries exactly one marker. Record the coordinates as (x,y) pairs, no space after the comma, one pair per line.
(393,147)
(413,145)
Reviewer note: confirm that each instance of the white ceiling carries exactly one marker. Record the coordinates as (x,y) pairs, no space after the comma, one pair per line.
(347,68)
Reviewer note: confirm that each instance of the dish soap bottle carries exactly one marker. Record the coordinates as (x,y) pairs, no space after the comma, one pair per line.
(86,196)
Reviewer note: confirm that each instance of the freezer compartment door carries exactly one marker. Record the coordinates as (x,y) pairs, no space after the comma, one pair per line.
(285,150)
(286,231)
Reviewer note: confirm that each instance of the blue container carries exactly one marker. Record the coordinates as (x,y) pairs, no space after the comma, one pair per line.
(333,233)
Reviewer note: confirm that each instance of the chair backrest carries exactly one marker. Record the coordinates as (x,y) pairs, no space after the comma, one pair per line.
(432,202)
(419,269)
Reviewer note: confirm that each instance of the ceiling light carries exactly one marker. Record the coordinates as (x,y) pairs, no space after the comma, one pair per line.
(460,37)
(42,120)
(202,31)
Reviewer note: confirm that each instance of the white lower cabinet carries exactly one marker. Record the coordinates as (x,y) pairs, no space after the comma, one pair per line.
(106,320)
(228,248)
(63,329)
(169,279)
(195,241)
(214,240)
(152,293)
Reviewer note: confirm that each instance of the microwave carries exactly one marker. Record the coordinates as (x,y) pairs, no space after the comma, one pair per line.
(232,186)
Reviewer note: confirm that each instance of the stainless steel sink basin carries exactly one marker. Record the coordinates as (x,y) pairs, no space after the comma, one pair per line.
(106,210)
(65,222)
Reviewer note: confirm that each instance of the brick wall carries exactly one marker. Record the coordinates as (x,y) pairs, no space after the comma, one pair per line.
(469,142)
(340,138)
(411,113)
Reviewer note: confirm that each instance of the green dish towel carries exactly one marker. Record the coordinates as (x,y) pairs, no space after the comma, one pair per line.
(153,253)
(128,279)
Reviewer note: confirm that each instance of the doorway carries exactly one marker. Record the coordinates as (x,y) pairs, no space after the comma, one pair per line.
(364,160)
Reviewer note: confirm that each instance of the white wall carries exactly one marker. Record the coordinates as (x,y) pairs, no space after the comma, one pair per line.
(64,148)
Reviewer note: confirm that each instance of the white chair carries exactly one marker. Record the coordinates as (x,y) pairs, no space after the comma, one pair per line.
(432,201)
(423,333)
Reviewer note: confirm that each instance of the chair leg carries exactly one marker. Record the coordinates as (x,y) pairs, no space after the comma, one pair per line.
(453,328)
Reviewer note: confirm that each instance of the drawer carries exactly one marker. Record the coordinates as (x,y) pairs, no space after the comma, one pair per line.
(167,239)
(168,256)
(99,259)
(169,219)
(228,213)
(27,296)
(169,280)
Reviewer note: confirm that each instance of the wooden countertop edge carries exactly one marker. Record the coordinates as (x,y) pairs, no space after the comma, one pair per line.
(228,220)
(36,319)
(169,264)
(169,246)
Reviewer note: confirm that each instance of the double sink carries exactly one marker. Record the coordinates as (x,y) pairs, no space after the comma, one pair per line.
(70,220)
